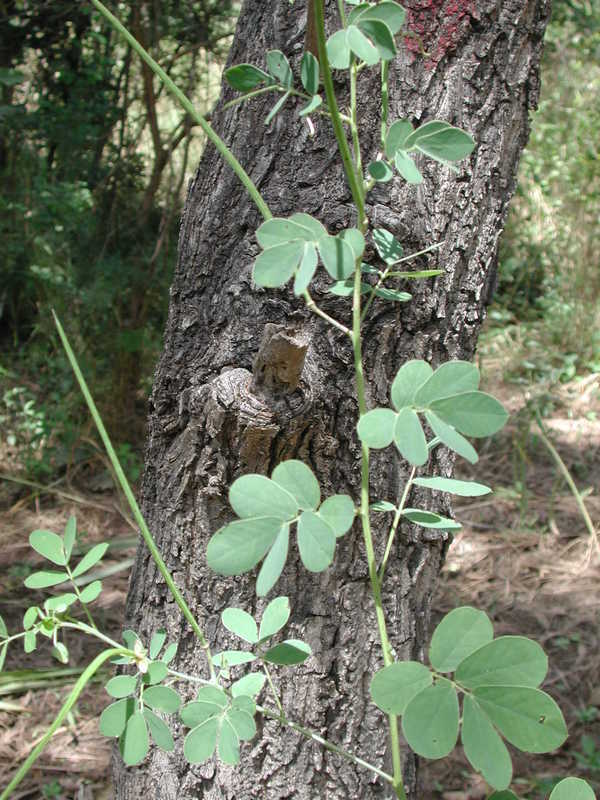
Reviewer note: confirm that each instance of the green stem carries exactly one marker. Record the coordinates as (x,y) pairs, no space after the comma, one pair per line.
(333,748)
(570,482)
(385,101)
(275,715)
(93,631)
(354,180)
(354,127)
(78,593)
(310,304)
(282,716)
(392,534)
(80,684)
(188,106)
(147,536)
(342,11)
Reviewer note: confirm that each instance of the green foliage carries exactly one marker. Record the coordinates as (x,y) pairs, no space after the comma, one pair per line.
(267,509)
(217,721)
(498,680)
(549,282)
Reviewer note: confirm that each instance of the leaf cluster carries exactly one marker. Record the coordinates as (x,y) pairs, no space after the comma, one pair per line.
(498,680)
(266,508)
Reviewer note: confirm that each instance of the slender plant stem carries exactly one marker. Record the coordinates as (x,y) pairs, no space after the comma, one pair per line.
(354,181)
(93,631)
(274,692)
(388,274)
(78,593)
(398,783)
(80,684)
(354,127)
(147,536)
(356,186)
(393,529)
(342,11)
(310,304)
(385,101)
(306,732)
(570,482)
(188,106)
(266,712)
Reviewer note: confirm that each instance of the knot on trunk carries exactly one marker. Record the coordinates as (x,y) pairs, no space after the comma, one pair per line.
(279,362)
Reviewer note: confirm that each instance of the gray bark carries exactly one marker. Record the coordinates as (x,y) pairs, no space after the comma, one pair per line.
(211,421)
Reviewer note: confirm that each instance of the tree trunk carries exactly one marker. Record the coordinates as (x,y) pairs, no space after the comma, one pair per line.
(211,422)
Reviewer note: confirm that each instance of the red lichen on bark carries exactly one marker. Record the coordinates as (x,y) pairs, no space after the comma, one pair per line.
(438,26)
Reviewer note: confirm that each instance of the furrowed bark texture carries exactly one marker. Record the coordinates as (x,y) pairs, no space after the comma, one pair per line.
(212,421)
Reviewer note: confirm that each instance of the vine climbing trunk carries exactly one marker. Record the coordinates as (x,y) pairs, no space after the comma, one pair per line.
(249,377)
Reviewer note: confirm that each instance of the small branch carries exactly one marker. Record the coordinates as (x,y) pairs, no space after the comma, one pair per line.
(570,482)
(282,717)
(395,523)
(306,732)
(312,306)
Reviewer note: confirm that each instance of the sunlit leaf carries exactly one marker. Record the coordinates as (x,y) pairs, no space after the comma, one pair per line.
(49,545)
(316,541)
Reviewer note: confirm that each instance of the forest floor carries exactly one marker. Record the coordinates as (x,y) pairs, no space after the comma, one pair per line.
(524,556)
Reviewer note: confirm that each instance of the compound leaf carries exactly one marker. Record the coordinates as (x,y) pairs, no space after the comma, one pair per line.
(287,653)
(159,731)
(461,632)
(298,479)
(508,660)
(239,546)
(409,437)
(49,545)
(393,687)
(241,623)
(114,717)
(475,414)
(90,559)
(460,488)
(430,721)
(245,77)
(528,718)
(450,378)
(273,565)
(274,617)
(451,438)
(338,511)
(376,427)
(134,743)
(572,789)
(408,379)
(316,541)
(162,698)
(309,73)
(483,746)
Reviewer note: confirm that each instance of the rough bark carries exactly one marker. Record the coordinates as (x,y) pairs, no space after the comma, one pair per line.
(211,421)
